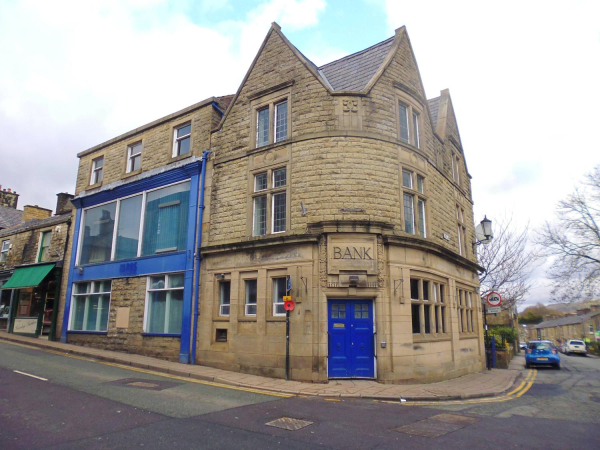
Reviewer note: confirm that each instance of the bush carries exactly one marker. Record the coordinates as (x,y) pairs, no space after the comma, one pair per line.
(505,336)
(594,347)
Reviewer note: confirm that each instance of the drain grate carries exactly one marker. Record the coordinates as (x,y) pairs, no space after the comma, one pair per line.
(437,426)
(143,383)
(287,423)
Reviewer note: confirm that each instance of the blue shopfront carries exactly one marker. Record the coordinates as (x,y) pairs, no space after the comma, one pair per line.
(135,243)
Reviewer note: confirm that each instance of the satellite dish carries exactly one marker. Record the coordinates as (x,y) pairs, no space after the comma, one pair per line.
(480,236)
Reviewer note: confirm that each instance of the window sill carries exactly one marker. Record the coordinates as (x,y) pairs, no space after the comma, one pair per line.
(125,175)
(180,157)
(268,146)
(161,335)
(87,332)
(468,335)
(93,186)
(419,338)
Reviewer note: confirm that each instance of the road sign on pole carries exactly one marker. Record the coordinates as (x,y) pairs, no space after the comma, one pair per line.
(494,310)
(494,299)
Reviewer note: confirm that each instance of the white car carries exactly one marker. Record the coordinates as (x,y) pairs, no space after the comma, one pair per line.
(575,346)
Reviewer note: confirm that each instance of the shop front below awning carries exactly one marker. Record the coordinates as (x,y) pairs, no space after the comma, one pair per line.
(24,277)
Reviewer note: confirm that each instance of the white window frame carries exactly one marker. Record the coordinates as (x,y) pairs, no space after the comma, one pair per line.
(271,106)
(168,301)
(176,139)
(246,303)
(118,216)
(415,119)
(417,197)
(276,121)
(41,244)
(411,121)
(86,311)
(97,174)
(4,250)
(275,295)
(270,192)
(224,308)
(131,156)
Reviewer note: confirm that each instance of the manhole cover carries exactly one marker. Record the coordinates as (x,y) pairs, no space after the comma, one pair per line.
(287,423)
(142,383)
(437,426)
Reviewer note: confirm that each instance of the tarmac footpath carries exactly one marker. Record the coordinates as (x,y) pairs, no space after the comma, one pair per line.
(499,384)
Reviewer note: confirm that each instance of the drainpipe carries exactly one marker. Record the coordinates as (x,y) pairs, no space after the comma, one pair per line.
(198,259)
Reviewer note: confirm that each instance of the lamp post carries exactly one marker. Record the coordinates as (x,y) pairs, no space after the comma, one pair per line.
(484,235)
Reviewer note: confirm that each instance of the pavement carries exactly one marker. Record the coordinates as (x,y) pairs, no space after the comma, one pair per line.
(488,383)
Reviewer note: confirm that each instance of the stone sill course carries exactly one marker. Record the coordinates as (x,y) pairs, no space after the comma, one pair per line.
(478,385)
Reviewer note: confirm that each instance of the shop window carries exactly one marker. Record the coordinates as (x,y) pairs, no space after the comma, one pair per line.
(269,202)
(162,227)
(134,157)
(279,290)
(251,294)
(164,304)
(182,136)
(45,238)
(97,168)
(90,308)
(224,298)
(413,202)
(4,250)
(428,308)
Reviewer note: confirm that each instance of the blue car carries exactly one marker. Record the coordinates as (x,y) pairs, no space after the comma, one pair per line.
(542,353)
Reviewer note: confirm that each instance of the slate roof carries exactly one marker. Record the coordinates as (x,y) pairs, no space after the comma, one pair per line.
(9,217)
(569,320)
(434,106)
(353,72)
(35,223)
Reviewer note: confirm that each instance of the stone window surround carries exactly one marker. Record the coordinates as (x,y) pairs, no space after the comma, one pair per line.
(443,306)
(466,313)
(269,193)
(4,249)
(416,195)
(174,127)
(270,100)
(128,170)
(247,276)
(412,105)
(216,295)
(93,170)
(461,231)
(40,243)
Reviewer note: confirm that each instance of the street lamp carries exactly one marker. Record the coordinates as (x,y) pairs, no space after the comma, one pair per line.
(483,233)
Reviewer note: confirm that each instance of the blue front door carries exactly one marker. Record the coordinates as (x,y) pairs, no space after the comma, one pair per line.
(351,350)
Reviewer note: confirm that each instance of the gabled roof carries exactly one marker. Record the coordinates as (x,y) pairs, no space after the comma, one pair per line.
(34,224)
(353,72)
(569,320)
(9,217)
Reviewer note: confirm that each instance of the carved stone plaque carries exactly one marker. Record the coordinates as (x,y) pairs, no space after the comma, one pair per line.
(352,252)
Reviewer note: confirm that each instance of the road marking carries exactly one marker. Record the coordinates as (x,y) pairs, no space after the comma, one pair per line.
(332,400)
(158,374)
(29,375)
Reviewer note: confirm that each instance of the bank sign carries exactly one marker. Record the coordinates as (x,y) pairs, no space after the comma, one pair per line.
(352,252)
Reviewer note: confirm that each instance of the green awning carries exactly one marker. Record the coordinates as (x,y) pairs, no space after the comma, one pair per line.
(24,277)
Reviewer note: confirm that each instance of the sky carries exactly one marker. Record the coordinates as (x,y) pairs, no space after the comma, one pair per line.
(523,76)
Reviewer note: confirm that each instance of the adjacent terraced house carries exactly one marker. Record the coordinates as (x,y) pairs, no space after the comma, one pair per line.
(340,186)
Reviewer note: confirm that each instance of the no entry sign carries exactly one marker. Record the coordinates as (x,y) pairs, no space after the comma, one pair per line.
(494,299)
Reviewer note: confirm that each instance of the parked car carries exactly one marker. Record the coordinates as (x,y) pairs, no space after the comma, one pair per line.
(523,345)
(542,353)
(575,346)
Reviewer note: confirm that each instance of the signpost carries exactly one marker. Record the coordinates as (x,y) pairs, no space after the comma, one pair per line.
(288,305)
(494,300)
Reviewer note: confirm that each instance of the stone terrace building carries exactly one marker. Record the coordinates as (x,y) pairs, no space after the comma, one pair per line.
(341,186)
(31,269)
(345,184)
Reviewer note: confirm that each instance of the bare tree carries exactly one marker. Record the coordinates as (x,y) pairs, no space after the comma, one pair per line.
(508,262)
(573,243)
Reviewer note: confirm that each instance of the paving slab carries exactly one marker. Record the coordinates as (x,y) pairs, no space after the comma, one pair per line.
(482,384)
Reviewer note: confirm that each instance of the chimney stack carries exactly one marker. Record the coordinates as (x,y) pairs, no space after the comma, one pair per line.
(35,212)
(8,198)
(63,203)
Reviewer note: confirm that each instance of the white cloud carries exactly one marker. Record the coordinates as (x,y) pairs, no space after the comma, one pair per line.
(77,73)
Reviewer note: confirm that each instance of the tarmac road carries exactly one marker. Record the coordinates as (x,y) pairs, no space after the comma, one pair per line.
(77,403)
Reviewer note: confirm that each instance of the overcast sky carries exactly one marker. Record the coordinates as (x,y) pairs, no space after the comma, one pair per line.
(523,75)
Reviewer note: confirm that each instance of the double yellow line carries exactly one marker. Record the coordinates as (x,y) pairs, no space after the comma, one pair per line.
(158,374)
(515,393)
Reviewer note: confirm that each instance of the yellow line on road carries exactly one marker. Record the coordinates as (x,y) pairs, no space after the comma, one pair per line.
(158,374)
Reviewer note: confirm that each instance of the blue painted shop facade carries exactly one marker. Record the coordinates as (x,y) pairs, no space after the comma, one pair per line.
(145,228)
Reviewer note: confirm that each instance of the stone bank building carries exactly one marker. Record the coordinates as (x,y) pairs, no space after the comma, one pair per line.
(342,186)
